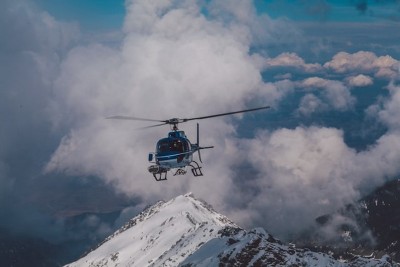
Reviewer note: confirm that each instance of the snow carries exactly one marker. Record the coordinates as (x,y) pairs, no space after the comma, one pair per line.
(188,232)
(164,235)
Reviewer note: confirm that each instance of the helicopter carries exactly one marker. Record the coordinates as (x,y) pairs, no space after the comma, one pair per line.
(175,152)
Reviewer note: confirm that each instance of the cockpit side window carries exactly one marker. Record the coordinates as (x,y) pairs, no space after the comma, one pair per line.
(186,146)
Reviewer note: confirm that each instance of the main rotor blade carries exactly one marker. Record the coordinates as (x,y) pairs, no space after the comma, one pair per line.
(224,114)
(151,126)
(133,119)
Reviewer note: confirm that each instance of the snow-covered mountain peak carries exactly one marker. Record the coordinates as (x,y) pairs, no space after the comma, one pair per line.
(186,231)
(163,234)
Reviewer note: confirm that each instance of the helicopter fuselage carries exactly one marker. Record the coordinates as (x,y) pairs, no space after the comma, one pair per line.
(174,151)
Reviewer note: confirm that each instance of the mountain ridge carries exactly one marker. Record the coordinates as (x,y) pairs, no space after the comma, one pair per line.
(188,232)
(181,224)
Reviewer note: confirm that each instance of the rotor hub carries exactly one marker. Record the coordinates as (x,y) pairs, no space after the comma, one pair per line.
(174,121)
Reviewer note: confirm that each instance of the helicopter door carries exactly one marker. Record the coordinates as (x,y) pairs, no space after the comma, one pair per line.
(177,146)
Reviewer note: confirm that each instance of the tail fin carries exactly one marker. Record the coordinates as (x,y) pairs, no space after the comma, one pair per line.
(198,143)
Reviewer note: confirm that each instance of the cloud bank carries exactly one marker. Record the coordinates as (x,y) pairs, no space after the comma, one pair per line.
(359,80)
(31,49)
(365,62)
(177,60)
(292,60)
(173,62)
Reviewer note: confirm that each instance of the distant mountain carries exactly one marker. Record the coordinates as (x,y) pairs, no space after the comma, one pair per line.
(371,225)
(382,213)
(26,251)
(188,232)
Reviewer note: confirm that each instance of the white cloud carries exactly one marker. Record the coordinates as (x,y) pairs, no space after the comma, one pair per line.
(31,47)
(315,82)
(365,62)
(390,112)
(304,167)
(310,104)
(306,172)
(336,94)
(259,29)
(345,62)
(292,60)
(360,80)
(275,92)
(173,62)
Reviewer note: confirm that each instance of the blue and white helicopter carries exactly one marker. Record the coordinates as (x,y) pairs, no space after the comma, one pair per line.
(175,152)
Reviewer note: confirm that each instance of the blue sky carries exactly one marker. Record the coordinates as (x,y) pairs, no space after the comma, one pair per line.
(91,14)
(329,70)
(342,10)
(109,14)
(374,22)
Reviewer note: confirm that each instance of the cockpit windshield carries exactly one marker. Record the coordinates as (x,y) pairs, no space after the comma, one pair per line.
(163,146)
(174,145)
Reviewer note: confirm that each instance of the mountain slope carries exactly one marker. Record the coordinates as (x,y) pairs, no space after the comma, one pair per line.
(237,247)
(371,224)
(164,234)
(188,232)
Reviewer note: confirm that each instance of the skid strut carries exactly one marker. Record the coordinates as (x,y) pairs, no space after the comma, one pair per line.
(160,174)
(196,169)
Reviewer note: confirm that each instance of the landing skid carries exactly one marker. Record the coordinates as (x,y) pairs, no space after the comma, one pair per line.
(160,174)
(196,169)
